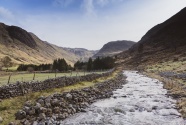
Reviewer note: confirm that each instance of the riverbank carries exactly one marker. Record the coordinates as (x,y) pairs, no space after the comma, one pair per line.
(54,108)
(8,107)
(176,89)
(141,101)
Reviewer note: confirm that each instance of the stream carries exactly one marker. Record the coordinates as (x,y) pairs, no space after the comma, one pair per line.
(141,101)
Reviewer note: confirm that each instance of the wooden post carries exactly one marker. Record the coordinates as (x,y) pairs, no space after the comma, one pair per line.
(76,73)
(34,76)
(9,78)
(55,73)
(71,73)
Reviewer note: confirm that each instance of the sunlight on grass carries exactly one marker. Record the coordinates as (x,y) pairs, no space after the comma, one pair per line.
(9,107)
(179,66)
(38,76)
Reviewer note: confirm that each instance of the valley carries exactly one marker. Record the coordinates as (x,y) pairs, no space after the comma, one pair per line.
(122,83)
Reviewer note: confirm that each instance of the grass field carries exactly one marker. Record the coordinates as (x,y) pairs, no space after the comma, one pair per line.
(38,76)
(8,107)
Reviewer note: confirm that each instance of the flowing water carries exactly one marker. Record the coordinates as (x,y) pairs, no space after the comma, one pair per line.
(142,101)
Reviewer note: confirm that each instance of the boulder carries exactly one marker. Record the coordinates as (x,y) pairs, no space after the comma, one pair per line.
(41,101)
(69,96)
(55,102)
(42,116)
(32,111)
(20,115)
(1,119)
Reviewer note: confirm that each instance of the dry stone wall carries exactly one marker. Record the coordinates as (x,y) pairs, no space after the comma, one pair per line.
(53,109)
(22,88)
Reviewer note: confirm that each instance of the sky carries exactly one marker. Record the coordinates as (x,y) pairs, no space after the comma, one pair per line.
(87,23)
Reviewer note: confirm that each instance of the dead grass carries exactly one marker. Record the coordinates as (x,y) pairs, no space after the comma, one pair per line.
(174,85)
(178,66)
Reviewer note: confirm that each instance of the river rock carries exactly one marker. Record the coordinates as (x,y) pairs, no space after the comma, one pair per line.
(55,102)
(31,111)
(43,110)
(56,110)
(28,103)
(41,101)
(69,96)
(49,112)
(131,110)
(11,123)
(42,116)
(1,119)
(20,115)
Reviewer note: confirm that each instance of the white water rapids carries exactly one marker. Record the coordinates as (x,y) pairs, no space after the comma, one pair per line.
(141,101)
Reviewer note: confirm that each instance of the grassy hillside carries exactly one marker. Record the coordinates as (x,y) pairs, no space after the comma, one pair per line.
(113,48)
(24,47)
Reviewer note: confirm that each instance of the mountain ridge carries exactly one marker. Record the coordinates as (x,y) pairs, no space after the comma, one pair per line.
(163,42)
(114,47)
(25,47)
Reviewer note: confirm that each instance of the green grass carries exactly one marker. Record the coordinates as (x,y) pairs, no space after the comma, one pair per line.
(167,66)
(14,68)
(38,76)
(8,107)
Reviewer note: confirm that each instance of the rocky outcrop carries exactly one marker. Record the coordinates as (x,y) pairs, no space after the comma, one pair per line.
(55,108)
(22,88)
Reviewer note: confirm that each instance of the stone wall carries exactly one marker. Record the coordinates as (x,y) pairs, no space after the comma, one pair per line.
(22,88)
(53,109)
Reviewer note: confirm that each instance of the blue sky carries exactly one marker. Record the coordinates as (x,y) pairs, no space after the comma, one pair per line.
(87,23)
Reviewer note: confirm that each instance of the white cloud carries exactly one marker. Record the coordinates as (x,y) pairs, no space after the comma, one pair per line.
(102,2)
(88,5)
(6,14)
(63,3)
(129,21)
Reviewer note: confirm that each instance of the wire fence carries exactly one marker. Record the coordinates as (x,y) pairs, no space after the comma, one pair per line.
(38,76)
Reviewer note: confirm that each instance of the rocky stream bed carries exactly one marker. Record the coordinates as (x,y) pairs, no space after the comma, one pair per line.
(52,110)
(139,101)
(142,101)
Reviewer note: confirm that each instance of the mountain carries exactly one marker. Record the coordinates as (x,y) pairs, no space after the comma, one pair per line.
(113,48)
(24,47)
(165,41)
(81,53)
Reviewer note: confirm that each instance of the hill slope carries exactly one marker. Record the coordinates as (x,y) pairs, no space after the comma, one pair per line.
(81,53)
(163,42)
(113,48)
(24,47)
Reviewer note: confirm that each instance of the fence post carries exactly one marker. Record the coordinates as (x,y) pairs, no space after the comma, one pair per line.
(71,73)
(34,76)
(9,78)
(77,73)
(22,88)
(55,73)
